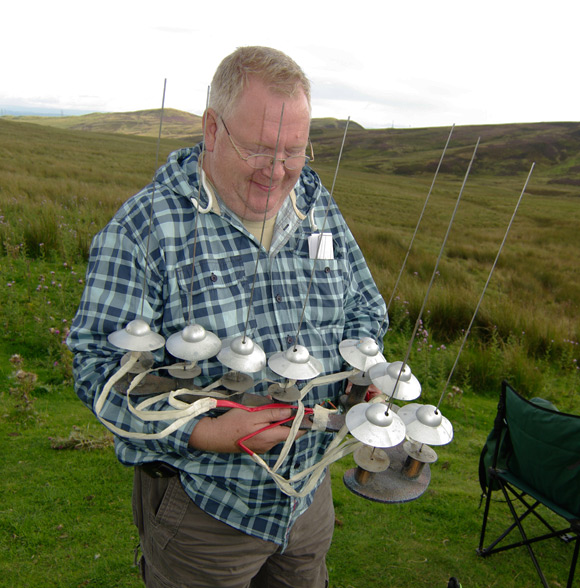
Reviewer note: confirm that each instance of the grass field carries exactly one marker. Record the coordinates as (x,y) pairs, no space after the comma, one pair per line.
(66,516)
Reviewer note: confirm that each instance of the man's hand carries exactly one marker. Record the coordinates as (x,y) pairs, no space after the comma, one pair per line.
(220,434)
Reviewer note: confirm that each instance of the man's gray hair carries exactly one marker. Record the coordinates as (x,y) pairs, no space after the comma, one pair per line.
(281,73)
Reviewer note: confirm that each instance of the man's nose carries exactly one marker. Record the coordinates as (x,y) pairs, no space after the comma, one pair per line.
(275,170)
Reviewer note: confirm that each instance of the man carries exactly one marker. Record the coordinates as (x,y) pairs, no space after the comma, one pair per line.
(207,514)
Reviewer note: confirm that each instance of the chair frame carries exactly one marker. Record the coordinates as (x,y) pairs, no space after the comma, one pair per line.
(516,491)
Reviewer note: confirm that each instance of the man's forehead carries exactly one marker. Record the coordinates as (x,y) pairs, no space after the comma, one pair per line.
(265,97)
(261,120)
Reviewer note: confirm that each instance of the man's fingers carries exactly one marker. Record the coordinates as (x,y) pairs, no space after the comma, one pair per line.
(273,415)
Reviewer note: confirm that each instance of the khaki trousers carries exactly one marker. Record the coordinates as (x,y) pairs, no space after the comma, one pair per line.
(185,547)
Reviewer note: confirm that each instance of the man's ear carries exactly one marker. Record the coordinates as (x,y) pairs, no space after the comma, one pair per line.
(210,126)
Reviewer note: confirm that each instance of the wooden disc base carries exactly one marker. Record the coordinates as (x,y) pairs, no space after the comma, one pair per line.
(288,394)
(392,485)
(237,381)
(184,371)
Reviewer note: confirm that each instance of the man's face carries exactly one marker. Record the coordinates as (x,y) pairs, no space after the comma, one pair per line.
(254,126)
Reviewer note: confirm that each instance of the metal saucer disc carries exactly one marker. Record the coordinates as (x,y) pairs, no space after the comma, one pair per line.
(193,343)
(420,451)
(371,459)
(184,371)
(426,424)
(384,377)
(136,336)
(295,364)
(284,394)
(241,354)
(373,424)
(361,353)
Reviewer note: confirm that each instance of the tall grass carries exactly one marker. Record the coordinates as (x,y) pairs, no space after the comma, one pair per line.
(529,319)
(58,188)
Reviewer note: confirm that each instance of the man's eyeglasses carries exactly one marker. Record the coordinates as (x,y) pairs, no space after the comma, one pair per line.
(261,160)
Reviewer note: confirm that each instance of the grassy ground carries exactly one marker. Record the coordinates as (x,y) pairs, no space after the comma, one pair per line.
(66,513)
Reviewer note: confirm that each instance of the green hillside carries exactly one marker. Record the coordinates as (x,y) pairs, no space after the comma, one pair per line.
(505,150)
(144,123)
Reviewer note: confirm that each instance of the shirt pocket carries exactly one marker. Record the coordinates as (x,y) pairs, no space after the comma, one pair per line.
(321,287)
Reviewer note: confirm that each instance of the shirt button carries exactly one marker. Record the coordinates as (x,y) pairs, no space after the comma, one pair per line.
(297,465)
(213,278)
(327,269)
(290,339)
(278,298)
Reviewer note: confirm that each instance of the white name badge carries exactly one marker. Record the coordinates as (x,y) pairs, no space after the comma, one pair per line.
(325,251)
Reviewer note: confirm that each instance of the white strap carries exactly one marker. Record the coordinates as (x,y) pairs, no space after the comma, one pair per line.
(185,411)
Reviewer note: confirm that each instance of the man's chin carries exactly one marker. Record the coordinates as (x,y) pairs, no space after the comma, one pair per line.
(264,207)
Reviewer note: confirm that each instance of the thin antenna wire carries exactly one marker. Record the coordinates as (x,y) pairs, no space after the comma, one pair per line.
(190,317)
(263,225)
(152,200)
(415,232)
(321,234)
(418,321)
(485,287)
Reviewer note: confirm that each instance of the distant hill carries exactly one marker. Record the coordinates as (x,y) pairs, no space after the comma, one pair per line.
(504,150)
(144,123)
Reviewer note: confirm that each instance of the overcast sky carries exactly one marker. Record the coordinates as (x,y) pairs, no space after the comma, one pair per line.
(410,63)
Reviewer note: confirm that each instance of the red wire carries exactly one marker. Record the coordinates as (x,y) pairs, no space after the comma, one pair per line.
(240,442)
(231,404)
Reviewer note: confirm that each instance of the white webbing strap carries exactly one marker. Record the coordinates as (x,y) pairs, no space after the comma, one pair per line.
(328,379)
(185,411)
(314,471)
(181,416)
(320,417)
(291,436)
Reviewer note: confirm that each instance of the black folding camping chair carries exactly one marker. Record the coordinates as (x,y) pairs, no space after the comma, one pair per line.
(532,456)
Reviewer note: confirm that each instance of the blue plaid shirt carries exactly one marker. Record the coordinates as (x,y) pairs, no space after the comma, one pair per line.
(343,303)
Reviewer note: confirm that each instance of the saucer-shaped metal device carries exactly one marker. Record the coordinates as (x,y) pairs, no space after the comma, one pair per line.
(295,364)
(375,424)
(361,353)
(136,336)
(193,343)
(426,424)
(241,354)
(384,376)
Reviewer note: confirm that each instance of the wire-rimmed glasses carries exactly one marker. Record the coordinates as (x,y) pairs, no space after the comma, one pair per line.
(262,160)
